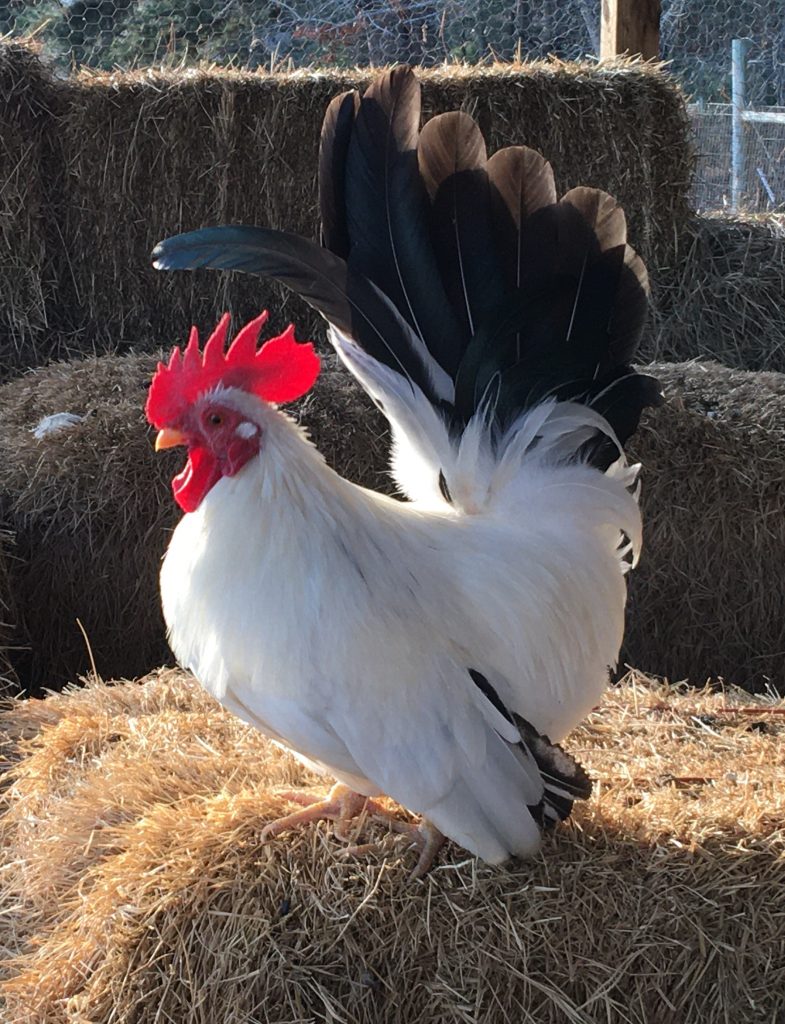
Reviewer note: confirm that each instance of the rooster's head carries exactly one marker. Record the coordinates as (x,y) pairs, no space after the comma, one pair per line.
(213,401)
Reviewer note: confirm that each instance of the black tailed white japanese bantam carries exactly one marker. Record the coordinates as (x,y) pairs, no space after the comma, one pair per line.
(434,650)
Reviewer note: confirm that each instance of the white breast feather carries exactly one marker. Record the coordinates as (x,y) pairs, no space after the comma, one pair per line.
(343,623)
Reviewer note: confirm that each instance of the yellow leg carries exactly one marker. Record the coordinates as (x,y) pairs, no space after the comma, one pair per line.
(425,837)
(429,840)
(340,805)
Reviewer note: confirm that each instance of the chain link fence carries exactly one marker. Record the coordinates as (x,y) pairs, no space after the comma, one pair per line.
(696,38)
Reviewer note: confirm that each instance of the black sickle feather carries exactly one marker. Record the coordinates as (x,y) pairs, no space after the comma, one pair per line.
(452,160)
(434,247)
(386,209)
(622,401)
(333,150)
(323,280)
(564,778)
(585,286)
(521,183)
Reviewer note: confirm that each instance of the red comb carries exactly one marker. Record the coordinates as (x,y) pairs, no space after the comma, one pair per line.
(281,370)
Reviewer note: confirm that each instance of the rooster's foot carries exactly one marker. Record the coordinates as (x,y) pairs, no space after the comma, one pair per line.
(425,837)
(429,840)
(341,805)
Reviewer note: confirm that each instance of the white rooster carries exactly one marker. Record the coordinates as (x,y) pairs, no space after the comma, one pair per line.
(432,650)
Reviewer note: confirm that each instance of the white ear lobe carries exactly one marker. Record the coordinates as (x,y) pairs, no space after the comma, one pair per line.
(246,429)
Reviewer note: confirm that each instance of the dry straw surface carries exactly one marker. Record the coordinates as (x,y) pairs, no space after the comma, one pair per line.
(725,300)
(91,508)
(143,155)
(708,599)
(136,888)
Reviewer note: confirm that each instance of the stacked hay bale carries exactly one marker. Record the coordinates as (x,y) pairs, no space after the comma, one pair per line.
(91,508)
(179,149)
(143,155)
(141,891)
(707,599)
(724,300)
(86,502)
(28,105)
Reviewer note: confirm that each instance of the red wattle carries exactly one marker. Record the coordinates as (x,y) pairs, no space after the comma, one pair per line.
(200,474)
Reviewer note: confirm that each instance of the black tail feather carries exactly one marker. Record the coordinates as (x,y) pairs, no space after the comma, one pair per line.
(326,282)
(333,151)
(453,164)
(521,183)
(564,778)
(387,211)
(437,255)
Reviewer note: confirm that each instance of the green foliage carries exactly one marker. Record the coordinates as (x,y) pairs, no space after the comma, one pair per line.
(695,35)
(159,31)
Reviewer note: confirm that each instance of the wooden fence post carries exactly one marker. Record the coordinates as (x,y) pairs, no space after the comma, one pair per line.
(630,26)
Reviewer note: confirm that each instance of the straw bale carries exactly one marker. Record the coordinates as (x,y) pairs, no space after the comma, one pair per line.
(27,95)
(136,888)
(707,599)
(91,508)
(724,298)
(86,505)
(147,154)
(8,682)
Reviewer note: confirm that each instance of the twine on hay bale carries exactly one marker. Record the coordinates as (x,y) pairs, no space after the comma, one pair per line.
(724,299)
(136,888)
(147,154)
(91,508)
(708,599)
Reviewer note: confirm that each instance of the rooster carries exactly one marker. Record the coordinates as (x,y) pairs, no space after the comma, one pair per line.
(435,650)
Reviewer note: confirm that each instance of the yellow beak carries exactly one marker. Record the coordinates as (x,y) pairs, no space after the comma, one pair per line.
(169,438)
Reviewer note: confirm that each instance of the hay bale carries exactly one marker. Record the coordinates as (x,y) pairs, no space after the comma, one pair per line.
(136,889)
(91,508)
(723,299)
(8,680)
(27,98)
(707,599)
(146,154)
(88,508)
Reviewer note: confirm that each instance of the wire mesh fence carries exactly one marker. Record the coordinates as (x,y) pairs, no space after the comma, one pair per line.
(696,38)
(760,160)
(250,33)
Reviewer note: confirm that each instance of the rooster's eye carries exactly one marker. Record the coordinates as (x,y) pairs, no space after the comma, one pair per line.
(215,419)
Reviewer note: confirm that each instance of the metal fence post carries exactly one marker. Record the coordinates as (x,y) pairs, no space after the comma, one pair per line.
(738,103)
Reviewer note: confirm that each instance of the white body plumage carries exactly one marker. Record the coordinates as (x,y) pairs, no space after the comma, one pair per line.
(343,623)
